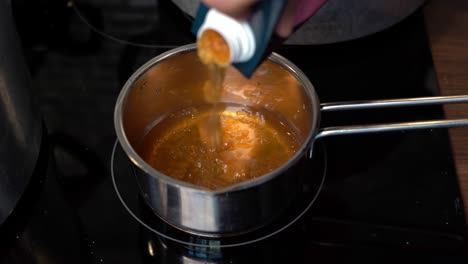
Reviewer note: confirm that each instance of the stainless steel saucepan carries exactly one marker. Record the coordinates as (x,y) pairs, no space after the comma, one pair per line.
(174,80)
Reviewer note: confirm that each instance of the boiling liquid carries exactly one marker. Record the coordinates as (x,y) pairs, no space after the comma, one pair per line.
(252,143)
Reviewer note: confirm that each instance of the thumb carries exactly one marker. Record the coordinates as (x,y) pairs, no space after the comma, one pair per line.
(295,13)
(233,8)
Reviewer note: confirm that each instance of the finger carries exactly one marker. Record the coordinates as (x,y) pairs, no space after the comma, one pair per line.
(286,22)
(234,8)
(305,9)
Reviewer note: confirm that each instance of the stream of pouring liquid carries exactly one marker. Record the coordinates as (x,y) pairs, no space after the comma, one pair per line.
(210,131)
(214,52)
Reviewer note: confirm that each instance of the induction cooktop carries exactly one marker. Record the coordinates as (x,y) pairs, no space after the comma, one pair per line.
(380,197)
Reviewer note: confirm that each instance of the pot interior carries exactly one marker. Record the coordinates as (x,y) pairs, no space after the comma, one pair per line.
(177,83)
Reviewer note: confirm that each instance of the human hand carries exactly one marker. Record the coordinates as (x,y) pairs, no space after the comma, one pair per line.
(295,12)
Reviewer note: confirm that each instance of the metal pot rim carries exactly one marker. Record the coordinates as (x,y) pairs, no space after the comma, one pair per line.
(140,163)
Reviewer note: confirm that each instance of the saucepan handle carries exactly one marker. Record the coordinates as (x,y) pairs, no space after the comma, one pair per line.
(375,104)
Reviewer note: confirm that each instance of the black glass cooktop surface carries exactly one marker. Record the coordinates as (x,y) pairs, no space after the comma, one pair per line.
(384,197)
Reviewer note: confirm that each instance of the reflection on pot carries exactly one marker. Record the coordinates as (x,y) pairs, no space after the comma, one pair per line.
(159,250)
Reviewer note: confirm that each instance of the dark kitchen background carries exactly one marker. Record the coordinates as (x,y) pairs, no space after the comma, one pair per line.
(383,197)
